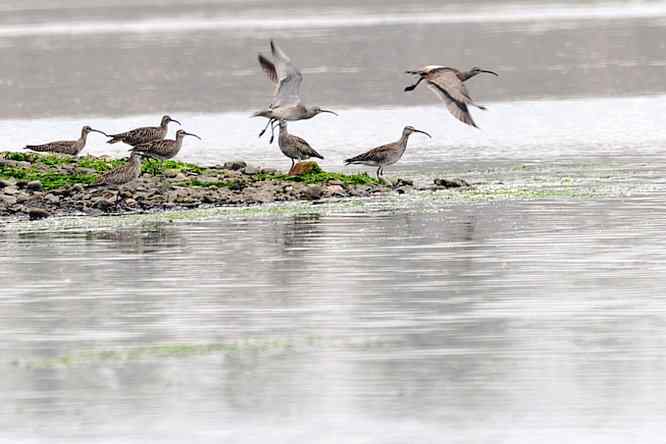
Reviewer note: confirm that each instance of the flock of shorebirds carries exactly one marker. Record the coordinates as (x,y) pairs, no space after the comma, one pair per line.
(287,105)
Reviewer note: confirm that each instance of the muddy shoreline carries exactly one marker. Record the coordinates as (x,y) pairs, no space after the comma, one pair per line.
(36,186)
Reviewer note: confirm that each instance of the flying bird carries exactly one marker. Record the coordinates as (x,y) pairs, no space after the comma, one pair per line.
(447,84)
(287,103)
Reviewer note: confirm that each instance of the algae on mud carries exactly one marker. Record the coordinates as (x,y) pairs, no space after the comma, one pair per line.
(59,185)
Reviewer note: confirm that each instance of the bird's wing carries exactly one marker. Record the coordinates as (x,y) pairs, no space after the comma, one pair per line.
(447,79)
(289,79)
(375,155)
(455,98)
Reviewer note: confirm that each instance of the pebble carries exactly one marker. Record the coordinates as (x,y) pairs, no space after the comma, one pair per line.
(38,213)
(451,183)
(234,165)
(35,185)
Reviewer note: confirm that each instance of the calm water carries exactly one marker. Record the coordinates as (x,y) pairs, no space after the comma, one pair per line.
(423,318)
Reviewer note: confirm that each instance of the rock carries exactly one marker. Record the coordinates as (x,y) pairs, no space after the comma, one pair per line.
(451,183)
(10,190)
(250,170)
(52,199)
(90,171)
(171,173)
(15,163)
(234,165)
(35,185)
(180,177)
(4,183)
(303,168)
(76,188)
(103,204)
(22,197)
(335,189)
(269,171)
(6,200)
(37,213)
(313,192)
(403,183)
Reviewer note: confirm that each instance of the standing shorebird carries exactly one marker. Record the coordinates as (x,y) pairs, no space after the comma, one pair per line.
(294,147)
(163,149)
(71,147)
(145,134)
(120,176)
(448,84)
(287,103)
(386,154)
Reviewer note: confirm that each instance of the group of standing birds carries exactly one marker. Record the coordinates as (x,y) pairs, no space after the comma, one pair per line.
(146,142)
(287,105)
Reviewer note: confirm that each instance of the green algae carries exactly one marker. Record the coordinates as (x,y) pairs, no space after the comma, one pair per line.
(50,180)
(317,176)
(192,351)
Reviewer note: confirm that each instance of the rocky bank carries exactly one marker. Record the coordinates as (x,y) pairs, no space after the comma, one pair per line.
(37,186)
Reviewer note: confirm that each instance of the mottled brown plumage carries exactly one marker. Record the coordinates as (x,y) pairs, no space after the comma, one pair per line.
(447,84)
(386,154)
(294,147)
(143,135)
(163,149)
(71,147)
(122,175)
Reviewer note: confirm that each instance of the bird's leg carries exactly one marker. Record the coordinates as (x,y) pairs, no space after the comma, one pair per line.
(293,162)
(117,198)
(273,132)
(263,131)
(413,87)
(378,171)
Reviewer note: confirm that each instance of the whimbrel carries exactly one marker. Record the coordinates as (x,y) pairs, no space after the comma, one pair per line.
(448,84)
(71,147)
(145,134)
(294,147)
(121,176)
(386,154)
(287,103)
(163,149)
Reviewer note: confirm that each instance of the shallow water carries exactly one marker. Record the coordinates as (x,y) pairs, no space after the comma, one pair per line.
(528,310)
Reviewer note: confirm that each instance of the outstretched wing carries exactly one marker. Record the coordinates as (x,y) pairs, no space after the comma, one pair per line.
(287,77)
(451,90)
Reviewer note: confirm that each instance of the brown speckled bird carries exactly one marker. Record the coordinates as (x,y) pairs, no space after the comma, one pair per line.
(71,147)
(163,149)
(386,154)
(143,135)
(294,147)
(120,176)
(447,84)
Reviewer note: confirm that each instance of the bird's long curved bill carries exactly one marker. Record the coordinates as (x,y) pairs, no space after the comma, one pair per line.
(422,132)
(98,131)
(329,111)
(490,72)
(193,135)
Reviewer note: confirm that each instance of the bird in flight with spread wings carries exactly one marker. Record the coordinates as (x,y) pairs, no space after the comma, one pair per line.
(448,84)
(287,103)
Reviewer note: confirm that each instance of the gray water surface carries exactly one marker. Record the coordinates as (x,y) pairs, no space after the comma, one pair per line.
(529,310)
